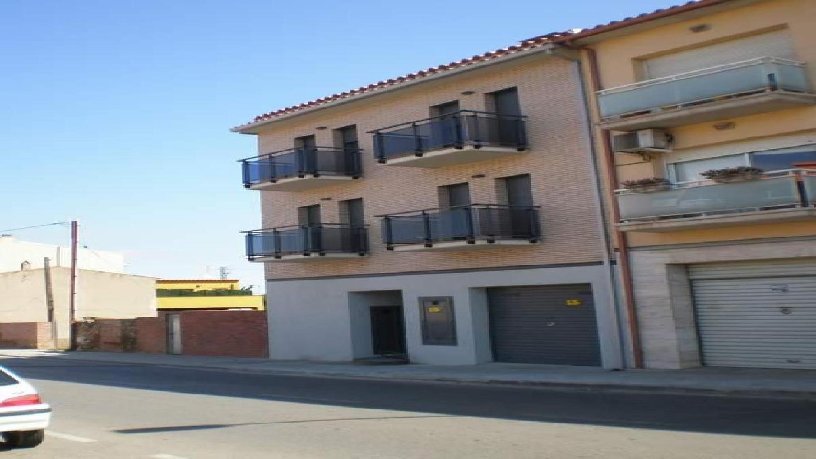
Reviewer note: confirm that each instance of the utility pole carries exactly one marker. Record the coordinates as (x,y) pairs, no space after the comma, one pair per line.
(72,299)
(49,300)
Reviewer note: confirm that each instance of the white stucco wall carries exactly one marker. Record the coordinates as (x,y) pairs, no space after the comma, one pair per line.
(99,294)
(311,319)
(14,252)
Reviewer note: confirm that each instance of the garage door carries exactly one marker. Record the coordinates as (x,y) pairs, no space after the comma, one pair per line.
(756,314)
(553,324)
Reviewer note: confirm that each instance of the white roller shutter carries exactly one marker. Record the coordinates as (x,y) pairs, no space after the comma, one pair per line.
(759,314)
(772,44)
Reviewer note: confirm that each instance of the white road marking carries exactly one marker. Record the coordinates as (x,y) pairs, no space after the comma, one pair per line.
(69,437)
(166,456)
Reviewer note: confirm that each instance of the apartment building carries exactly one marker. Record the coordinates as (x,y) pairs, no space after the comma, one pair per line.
(450,216)
(705,114)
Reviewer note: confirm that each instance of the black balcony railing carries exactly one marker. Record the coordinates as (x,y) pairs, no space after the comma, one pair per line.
(466,127)
(319,240)
(476,222)
(300,162)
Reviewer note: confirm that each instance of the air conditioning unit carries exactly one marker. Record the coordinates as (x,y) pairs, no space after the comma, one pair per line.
(656,140)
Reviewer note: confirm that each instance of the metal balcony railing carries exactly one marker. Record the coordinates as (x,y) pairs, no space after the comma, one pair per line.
(775,190)
(486,222)
(327,238)
(465,127)
(300,162)
(746,77)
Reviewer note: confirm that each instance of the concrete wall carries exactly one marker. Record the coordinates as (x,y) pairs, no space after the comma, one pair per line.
(663,292)
(313,320)
(14,252)
(99,294)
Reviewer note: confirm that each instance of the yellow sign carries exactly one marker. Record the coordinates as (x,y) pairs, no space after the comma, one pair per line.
(434,309)
(574,302)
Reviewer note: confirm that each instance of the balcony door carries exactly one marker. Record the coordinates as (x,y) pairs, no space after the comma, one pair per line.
(520,199)
(454,219)
(306,147)
(310,234)
(504,129)
(444,126)
(351,214)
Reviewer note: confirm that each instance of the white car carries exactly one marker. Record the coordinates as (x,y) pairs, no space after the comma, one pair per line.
(23,415)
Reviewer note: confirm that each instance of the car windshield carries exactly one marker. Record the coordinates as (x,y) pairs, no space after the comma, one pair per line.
(6,379)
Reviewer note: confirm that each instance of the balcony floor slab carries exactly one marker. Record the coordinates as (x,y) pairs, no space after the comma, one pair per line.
(453,156)
(716,109)
(461,245)
(307,182)
(300,258)
(720,220)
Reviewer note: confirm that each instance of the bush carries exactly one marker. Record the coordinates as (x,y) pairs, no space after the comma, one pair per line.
(732,172)
(645,183)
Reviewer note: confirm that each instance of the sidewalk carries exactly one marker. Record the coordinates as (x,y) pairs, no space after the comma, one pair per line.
(715,381)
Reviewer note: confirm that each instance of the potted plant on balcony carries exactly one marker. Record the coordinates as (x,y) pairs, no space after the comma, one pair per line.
(646,185)
(733,174)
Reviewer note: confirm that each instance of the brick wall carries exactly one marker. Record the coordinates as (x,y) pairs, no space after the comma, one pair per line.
(215,333)
(224,333)
(26,335)
(558,161)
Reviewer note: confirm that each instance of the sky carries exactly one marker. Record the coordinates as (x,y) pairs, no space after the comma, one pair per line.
(117,113)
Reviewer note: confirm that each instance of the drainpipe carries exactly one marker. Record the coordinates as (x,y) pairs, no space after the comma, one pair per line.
(621,239)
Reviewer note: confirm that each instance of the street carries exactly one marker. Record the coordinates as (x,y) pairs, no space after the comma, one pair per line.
(106,410)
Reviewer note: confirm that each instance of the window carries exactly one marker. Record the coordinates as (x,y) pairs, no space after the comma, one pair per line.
(306,142)
(456,195)
(309,215)
(769,160)
(442,110)
(504,102)
(351,213)
(346,138)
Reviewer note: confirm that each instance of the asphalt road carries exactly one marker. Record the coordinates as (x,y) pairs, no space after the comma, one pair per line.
(104,410)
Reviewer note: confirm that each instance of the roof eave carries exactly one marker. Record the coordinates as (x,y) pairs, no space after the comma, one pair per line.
(253,128)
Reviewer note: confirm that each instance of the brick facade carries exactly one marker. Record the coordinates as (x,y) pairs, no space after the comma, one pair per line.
(558,161)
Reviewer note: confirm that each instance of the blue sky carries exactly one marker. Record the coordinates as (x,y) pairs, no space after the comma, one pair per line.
(116,113)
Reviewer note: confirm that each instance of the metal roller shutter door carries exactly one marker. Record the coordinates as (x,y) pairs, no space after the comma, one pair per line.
(756,314)
(553,324)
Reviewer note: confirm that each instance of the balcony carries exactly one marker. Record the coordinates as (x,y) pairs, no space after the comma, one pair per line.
(776,197)
(303,243)
(463,137)
(726,91)
(476,225)
(300,169)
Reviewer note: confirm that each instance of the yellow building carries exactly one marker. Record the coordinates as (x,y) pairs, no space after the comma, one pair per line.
(704,114)
(188,294)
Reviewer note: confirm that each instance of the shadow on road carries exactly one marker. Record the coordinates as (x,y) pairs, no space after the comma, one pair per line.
(690,413)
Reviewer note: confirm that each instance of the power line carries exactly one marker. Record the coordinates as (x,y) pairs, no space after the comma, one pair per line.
(34,226)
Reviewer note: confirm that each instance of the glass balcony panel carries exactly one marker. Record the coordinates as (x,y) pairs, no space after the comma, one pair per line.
(327,238)
(317,161)
(455,130)
(809,183)
(722,197)
(475,222)
(743,77)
